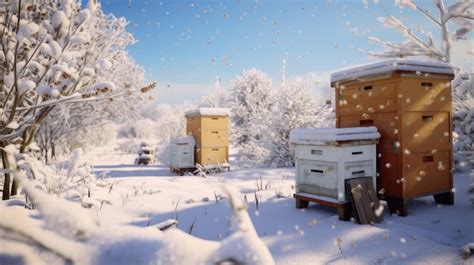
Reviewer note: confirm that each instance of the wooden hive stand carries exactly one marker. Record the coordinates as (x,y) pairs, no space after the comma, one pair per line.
(343,208)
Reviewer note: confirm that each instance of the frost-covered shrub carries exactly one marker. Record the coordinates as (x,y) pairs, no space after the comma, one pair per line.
(262,118)
(253,154)
(295,108)
(169,122)
(251,100)
(72,180)
(130,146)
(463,120)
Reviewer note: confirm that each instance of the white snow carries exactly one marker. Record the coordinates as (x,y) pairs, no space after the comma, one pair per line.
(26,30)
(321,136)
(26,85)
(20,224)
(13,125)
(209,112)
(139,198)
(10,149)
(54,49)
(61,215)
(60,67)
(105,85)
(79,39)
(43,90)
(88,71)
(391,65)
(20,251)
(55,93)
(60,20)
(104,64)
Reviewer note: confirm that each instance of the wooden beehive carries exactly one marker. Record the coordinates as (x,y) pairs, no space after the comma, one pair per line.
(210,129)
(409,101)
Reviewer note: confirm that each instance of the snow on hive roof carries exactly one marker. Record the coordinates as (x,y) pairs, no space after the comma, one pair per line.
(320,136)
(184,140)
(390,66)
(209,112)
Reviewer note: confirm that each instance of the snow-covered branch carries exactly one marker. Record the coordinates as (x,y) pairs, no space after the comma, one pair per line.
(460,13)
(79,55)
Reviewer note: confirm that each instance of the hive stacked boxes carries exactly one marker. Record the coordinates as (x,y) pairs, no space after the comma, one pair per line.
(325,158)
(409,101)
(210,129)
(182,152)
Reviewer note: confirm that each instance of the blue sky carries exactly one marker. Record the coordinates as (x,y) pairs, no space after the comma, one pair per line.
(184,45)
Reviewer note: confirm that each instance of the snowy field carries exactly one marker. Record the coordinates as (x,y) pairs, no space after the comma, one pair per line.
(147,195)
(70,81)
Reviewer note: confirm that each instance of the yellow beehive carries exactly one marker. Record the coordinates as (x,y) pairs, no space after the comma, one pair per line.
(409,101)
(210,129)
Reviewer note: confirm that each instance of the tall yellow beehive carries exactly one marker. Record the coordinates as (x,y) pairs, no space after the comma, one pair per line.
(409,101)
(210,129)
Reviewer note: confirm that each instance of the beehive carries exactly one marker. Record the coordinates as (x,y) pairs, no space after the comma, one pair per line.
(326,157)
(409,101)
(182,153)
(210,129)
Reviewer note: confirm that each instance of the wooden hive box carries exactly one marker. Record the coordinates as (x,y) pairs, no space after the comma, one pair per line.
(182,153)
(409,101)
(210,129)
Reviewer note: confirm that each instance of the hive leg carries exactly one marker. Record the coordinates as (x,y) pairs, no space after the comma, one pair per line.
(444,198)
(397,205)
(300,204)
(344,213)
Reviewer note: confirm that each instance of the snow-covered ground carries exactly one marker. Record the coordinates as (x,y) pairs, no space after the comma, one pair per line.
(147,195)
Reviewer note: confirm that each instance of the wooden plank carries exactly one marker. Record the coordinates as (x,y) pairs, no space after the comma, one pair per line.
(356,198)
(374,200)
(364,200)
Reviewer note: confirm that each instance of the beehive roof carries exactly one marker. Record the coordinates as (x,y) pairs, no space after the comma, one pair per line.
(391,65)
(321,136)
(188,139)
(209,112)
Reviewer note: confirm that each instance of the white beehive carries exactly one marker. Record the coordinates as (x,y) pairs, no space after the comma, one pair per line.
(182,152)
(325,158)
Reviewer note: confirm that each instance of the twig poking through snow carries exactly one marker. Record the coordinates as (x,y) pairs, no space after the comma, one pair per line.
(339,242)
(256,201)
(190,230)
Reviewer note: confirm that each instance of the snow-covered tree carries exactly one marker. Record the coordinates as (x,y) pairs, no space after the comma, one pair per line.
(54,52)
(295,108)
(251,100)
(458,15)
(68,123)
